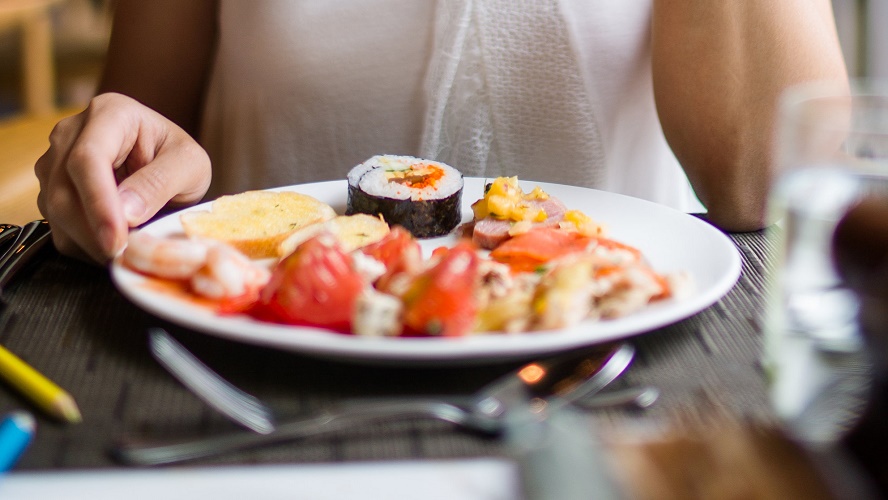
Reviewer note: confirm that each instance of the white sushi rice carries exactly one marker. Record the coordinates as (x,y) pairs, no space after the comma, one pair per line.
(370,177)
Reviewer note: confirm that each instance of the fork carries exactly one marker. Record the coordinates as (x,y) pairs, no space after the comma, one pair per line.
(212,388)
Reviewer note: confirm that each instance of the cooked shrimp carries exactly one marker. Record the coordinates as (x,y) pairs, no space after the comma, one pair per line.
(632,287)
(227,274)
(170,258)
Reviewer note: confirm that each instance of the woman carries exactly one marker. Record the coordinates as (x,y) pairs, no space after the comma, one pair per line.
(593,92)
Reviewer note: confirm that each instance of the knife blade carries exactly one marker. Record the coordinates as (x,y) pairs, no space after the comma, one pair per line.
(7,235)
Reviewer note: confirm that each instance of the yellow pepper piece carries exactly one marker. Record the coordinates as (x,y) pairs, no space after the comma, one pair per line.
(505,200)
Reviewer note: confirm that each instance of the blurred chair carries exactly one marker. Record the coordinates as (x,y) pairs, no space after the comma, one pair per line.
(24,136)
(33,18)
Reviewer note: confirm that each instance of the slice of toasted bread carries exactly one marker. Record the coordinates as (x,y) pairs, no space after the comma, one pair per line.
(352,232)
(255,222)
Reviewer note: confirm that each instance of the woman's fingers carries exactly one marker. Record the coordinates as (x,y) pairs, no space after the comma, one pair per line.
(109,132)
(57,199)
(179,173)
(115,141)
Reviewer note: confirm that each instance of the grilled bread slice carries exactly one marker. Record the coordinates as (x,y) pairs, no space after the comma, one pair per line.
(256,222)
(352,232)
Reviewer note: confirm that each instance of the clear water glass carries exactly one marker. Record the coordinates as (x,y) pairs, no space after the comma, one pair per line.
(831,152)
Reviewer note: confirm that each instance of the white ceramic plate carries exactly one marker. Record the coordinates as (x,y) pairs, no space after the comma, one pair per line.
(669,239)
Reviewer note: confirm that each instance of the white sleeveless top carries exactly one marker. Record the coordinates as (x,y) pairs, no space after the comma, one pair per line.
(302,91)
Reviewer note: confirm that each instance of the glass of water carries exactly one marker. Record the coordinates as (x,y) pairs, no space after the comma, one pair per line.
(831,153)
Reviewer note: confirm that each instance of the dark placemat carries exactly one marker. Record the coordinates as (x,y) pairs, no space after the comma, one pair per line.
(66,319)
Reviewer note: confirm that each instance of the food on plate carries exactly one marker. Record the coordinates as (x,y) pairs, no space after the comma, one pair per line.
(229,274)
(423,196)
(506,210)
(401,258)
(362,275)
(256,222)
(316,285)
(170,258)
(528,251)
(207,268)
(352,232)
(440,301)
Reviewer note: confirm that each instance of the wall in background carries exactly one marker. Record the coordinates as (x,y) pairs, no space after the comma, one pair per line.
(877,39)
(862,31)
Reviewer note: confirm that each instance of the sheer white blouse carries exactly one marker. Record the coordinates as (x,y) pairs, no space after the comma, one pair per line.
(302,91)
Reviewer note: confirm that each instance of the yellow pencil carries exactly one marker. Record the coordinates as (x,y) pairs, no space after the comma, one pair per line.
(42,391)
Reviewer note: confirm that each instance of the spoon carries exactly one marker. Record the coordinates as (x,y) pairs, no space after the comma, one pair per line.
(558,381)
(640,397)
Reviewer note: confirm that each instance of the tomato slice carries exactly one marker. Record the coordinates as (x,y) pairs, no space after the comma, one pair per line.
(316,285)
(441,301)
(399,252)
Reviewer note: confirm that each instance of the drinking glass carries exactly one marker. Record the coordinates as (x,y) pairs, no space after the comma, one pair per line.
(831,153)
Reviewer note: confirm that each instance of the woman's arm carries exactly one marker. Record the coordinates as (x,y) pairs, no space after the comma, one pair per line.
(115,164)
(719,68)
(160,53)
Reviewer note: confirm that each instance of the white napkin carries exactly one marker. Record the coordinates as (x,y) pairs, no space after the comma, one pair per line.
(475,479)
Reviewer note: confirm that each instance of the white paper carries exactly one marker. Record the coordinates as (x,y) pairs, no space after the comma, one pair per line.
(476,479)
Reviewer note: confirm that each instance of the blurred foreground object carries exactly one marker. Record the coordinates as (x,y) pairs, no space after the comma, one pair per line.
(861,255)
(724,460)
(16,432)
(831,153)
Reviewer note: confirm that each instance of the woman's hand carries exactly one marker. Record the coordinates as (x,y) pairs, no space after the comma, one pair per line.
(112,167)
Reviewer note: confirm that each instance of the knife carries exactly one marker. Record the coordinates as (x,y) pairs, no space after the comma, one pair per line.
(7,234)
(28,241)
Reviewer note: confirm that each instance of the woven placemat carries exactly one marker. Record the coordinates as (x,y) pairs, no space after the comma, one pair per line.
(66,319)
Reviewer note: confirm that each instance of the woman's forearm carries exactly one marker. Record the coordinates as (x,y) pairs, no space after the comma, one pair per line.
(160,54)
(719,68)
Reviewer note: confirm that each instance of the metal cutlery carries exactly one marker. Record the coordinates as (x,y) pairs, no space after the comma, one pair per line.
(28,241)
(251,413)
(212,388)
(7,234)
(640,397)
(566,378)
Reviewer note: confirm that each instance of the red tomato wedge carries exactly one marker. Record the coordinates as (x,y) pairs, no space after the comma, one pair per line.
(316,285)
(441,300)
(399,252)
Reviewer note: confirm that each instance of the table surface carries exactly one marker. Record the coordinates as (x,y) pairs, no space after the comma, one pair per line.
(67,320)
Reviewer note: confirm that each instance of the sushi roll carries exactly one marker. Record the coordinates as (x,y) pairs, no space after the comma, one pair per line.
(423,196)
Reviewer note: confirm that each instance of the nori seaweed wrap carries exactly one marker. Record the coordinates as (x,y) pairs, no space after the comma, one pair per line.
(423,196)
